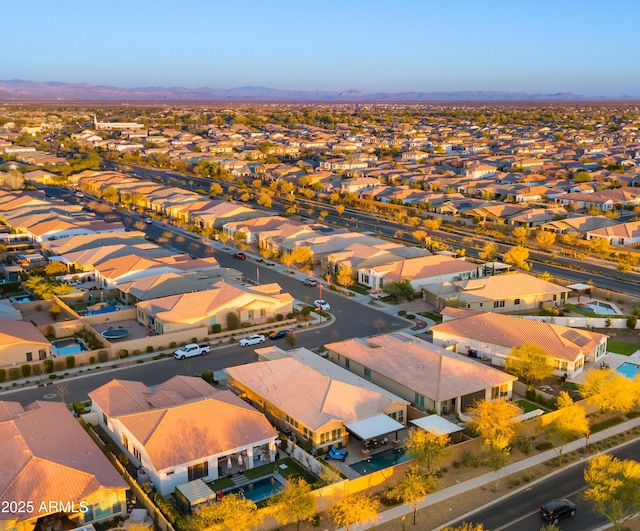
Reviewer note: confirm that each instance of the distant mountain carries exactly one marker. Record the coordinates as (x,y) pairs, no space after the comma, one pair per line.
(18,90)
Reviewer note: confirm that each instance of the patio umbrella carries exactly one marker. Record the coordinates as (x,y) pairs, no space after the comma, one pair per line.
(229,465)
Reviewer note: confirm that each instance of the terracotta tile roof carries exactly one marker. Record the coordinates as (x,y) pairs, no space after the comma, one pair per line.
(46,455)
(20,332)
(121,397)
(425,267)
(506,330)
(421,366)
(507,286)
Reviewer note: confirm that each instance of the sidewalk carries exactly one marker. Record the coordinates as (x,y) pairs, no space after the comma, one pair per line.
(490,477)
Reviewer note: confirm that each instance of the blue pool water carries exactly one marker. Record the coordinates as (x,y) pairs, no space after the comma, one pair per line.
(602,308)
(67,347)
(630,370)
(382,460)
(258,490)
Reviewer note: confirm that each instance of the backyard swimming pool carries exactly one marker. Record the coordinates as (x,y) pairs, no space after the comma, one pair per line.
(258,490)
(67,347)
(630,370)
(382,460)
(602,308)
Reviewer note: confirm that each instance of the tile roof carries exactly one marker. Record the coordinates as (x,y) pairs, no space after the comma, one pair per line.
(46,455)
(506,286)
(421,366)
(506,330)
(20,332)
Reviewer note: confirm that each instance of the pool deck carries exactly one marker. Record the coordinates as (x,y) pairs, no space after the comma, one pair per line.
(611,359)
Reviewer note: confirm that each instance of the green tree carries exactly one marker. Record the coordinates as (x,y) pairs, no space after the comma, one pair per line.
(295,503)
(495,458)
(421,236)
(286,259)
(55,268)
(570,239)
(545,239)
(624,265)
(518,257)
(340,209)
(432,223)
(291,340)
(427,447)
(354,509)
(233,321)
(215,190)
(413,488)
(466,527)
(529,362)
(614,488)
(233,511)
(599,246)
(582,177)
(110,194)
(302,255)
(264,200)
(402,289)
(566,424)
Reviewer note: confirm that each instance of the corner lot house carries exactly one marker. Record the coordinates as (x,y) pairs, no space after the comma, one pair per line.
(21,343)
(494,335)
(182,431)
(332,395)
(499,293)
(428,376)
(48,457)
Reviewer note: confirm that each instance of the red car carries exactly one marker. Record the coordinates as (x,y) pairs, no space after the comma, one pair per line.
(240,256)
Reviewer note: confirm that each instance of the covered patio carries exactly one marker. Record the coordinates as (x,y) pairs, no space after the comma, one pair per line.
(374,431)
(439,425)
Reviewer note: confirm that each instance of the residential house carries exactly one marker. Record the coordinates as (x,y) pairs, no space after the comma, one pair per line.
(493,336)
(183,430)
(255,305)
(53,471)
(20,343)
(428,376)
(333,396)
(420,271)
(517,292)
(618,234)
(579,224)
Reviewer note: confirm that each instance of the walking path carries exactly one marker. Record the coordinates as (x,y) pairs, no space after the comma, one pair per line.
(490,477)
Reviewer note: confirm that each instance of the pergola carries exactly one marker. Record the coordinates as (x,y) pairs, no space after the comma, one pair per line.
(373,427)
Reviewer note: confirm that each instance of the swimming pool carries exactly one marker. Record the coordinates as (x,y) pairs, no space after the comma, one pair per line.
(67,347)
(258,490)
(630,370)
(382,460)
(602,308)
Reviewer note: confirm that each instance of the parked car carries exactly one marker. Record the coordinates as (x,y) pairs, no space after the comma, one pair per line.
(79,194)
(312,282)
(252,340)
(240,256)
(148,221)
(321,304)
(192,349)
(279,334)
(554,510)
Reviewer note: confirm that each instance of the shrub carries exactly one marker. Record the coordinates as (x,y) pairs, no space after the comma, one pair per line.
(216,328)
(173,344)
(136,352)
(525,445)
(103,356)
(53,376)
(246,324)
(48,366)
(402,313)
(59,365)
(544,446)
(149,349)
(290,315)
(605,424)
(207,376)
(78,408)
(632,320)
(37,370)
(71,362)
(124,353)
(553,312)
(92,360)
(470,460)
(124,459)
(410,316)
(3,375)
(26,371)
(233,321)
(279,317)
(14,373)
(194,339)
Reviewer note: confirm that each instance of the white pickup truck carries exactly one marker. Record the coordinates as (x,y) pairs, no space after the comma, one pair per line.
(192,349)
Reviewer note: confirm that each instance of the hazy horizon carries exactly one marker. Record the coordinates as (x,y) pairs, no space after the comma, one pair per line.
(372,46)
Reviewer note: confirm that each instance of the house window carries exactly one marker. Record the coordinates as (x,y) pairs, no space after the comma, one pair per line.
(29,356)
(125,442)
(105,420)
(419,399)
(495,393)
(555,298)
(116,508)
(197,471)
(263,312)
(212,321)
(498,304)
(365,279)
(88,515)
(516,302)
(400,416)
(249,314)
(136,454)
(347,363)
(42,354)
(367,372)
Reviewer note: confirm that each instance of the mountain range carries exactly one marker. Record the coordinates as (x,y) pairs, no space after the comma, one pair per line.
(18,90)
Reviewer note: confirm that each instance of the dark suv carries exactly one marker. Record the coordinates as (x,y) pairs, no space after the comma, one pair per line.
(554,510)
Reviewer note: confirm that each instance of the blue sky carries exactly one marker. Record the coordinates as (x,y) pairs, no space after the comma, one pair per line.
(587,47)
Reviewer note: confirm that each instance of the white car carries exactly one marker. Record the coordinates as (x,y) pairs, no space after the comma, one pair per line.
(148,221)
(322,305)
(79,194)
(252,340)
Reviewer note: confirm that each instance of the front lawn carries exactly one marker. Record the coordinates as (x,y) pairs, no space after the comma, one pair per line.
(362,290)
(621,347)
(292,469)
(527,406)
